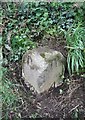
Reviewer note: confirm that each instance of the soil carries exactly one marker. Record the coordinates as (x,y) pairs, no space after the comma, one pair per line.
(64,102)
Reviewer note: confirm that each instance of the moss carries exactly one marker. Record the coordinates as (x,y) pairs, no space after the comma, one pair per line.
(42,55)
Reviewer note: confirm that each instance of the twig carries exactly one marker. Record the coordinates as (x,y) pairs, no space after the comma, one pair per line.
(74,108)
(73,91)
(74,48)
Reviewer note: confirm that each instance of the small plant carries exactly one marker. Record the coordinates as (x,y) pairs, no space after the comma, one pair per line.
(20,43)
(75,38)
(9,96)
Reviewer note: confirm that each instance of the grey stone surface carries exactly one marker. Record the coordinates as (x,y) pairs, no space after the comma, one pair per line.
(41,67)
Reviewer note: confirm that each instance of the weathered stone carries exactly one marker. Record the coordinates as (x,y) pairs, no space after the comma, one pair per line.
(41,67)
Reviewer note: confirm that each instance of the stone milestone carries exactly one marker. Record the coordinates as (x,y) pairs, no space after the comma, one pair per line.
(42,67)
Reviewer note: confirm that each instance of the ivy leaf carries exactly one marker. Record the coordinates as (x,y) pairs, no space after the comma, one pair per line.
(7,47)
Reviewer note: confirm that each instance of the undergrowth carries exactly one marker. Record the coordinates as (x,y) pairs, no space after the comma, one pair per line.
(75,39)
(25,24)
(10,97)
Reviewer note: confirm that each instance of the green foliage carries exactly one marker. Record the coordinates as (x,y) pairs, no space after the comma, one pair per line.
(75,114)
(75,38)
(8,94)
(40,16)
(31,22)
(19,45)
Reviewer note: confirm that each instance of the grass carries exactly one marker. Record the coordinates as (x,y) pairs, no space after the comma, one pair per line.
(9,94)
(75,38)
